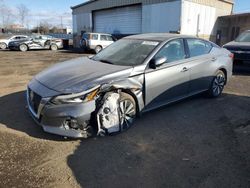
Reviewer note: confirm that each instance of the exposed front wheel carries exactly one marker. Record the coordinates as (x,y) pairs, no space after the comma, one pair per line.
(217,84)
(127,111)
(23,47)
(3,46)
(116,114)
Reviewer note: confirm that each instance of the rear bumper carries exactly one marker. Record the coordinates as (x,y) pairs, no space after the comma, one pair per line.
(241,55)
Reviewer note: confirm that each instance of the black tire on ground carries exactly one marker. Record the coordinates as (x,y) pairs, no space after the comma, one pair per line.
(217,85)
(3,46)
(98,49)
(23,47)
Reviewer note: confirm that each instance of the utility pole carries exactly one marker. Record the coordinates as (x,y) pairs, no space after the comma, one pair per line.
(61,24)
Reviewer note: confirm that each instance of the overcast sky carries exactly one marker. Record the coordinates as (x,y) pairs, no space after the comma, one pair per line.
(53,11)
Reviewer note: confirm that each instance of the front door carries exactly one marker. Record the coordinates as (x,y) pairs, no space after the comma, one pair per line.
(170,81)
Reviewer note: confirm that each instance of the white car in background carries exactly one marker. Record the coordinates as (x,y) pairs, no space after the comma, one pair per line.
(4,43)
(96,41)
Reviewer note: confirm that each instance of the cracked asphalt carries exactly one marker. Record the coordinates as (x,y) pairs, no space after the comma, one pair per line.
(198,142)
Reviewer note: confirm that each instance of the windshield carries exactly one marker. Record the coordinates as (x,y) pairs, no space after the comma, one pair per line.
(126,52)
(244,37)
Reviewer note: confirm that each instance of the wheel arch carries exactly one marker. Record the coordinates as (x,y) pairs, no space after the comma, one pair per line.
(225,72)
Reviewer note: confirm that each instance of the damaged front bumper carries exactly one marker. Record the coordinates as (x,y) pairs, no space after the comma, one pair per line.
(70,120)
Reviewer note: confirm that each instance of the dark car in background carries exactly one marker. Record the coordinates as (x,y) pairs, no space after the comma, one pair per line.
(5,42)
(240,47)
(37,42)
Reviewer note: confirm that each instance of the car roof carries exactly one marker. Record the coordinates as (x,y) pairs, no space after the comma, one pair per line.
(158,36)
(98,33)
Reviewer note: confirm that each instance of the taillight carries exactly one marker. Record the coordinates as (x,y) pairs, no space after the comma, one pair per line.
(231,55)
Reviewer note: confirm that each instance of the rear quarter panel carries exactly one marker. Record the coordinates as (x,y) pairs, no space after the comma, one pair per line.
(223,60)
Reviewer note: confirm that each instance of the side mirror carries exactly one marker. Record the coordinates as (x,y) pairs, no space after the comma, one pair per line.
(154,63)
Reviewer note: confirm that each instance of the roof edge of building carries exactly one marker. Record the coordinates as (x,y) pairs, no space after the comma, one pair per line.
(228,1)
(235,15)
(82,4)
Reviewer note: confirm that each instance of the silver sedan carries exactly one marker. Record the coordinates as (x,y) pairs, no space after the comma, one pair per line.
(102,95)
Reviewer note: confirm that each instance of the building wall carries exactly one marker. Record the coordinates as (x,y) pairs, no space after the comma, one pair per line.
(199,17)
(104,4)
(159,17)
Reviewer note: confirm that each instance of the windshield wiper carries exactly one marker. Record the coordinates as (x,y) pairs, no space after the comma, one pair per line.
(105,61)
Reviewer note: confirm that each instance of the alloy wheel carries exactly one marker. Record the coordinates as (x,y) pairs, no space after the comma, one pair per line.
(218,84)
(3,46)
(127,114)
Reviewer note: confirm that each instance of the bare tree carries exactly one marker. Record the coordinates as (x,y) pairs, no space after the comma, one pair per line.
(22,12)
(6,16)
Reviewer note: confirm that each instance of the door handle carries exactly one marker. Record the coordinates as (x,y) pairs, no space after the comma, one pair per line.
(214,59)
(184,69)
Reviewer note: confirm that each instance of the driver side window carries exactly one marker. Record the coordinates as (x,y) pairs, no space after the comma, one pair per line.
(173,51)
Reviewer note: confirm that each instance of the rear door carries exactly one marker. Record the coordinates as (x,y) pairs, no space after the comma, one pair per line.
(170,81)
(201,64)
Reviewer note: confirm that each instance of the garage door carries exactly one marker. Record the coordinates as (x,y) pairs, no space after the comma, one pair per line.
(125,20)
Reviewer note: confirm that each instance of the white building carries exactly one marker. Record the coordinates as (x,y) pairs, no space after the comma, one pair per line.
(125,17)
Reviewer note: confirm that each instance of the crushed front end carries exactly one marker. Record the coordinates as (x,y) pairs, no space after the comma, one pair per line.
(71,120)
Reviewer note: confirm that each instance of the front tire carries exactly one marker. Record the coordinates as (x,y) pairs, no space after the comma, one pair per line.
(127,111)
(54,47)
(23,47)
(3,46)
(217,84)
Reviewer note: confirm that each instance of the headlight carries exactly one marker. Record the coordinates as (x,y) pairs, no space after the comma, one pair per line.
(82,97)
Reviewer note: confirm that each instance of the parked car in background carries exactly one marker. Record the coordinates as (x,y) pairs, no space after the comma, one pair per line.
(240,47)
(4,43)
(37,42)
(103,94)
(96,41)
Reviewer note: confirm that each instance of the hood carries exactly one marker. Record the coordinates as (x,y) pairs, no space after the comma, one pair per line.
(237,45)
(80,74)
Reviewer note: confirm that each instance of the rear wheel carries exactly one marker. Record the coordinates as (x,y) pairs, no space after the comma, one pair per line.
(98,49)
(54,47)
(217,84)
(3,46)
(23,47)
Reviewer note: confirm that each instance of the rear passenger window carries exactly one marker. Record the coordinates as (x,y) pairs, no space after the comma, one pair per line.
(94,36)
(198,47)
(109,38)
(103,37)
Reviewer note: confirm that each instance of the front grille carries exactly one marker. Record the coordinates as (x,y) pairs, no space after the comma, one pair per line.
(34,100)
